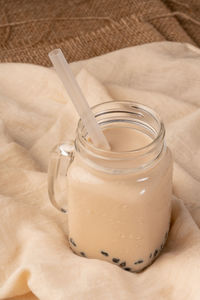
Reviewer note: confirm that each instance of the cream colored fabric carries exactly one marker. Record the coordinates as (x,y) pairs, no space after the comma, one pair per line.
(35,114)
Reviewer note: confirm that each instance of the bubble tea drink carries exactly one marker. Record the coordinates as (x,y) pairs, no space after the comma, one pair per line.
(119,201)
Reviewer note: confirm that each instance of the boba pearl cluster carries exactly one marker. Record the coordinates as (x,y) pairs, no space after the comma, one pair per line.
(120,262)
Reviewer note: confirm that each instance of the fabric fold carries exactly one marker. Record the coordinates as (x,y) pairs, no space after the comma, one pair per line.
(35,259)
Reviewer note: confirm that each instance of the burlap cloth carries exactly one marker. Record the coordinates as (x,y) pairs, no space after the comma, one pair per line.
(29,29)
(35,114)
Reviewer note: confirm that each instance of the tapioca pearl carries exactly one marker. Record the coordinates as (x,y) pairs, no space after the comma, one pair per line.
(116,260)
(155,252)
(104,253)
(72,242)
(127,269)
(140,261)
(83,254)
(123,264)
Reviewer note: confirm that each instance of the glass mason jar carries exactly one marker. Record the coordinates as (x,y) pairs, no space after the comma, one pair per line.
(118,203)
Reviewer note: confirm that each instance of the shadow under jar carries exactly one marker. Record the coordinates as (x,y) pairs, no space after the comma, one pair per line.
(119,203)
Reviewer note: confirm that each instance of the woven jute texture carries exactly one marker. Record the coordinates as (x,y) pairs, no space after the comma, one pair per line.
(29,29)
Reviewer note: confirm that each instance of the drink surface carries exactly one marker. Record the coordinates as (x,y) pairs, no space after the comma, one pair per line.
(126,139)
(120,218)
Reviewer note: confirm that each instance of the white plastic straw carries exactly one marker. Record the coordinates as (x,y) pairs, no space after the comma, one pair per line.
(66,76)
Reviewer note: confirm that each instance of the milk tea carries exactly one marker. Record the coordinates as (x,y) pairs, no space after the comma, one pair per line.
(121,218)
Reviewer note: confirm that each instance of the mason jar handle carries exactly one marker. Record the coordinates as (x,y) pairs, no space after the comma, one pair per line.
(61,157)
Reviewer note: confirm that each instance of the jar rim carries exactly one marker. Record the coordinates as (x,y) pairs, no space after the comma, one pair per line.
(102,152)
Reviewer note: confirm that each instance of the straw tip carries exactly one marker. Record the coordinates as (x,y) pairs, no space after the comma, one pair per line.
(55,52)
